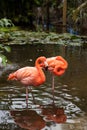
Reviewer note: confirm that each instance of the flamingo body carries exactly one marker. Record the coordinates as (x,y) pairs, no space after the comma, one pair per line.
(58,61)
(57,66)
(30,76)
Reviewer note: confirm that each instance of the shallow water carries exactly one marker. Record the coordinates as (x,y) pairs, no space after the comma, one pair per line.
(66,111)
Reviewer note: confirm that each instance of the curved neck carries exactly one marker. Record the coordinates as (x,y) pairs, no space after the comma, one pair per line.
(65,64)
(41,74)
(58,71)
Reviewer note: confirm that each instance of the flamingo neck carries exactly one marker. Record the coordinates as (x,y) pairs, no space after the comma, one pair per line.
(41,77)
(58,71)
(65,64)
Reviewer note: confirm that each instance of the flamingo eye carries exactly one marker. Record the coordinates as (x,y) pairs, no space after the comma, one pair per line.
(59,69)
(40,62)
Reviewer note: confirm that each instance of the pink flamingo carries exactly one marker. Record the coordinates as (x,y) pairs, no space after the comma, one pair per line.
(30,76)
(57,66)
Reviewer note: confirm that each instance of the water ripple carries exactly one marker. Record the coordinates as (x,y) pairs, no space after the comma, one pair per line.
(16,98)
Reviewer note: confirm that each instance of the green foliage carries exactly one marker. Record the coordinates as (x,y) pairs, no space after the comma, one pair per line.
(7,29)
(80,12)
(38,2)
(6,33)
(25,37)
(4,48)
(77,10)
(4,59)
(6,23)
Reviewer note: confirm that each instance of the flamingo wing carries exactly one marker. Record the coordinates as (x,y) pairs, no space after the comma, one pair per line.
(27,76)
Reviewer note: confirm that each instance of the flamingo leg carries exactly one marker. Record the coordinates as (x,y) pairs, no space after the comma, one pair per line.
(32,94)
(30,90)
(27,95)
(53,83)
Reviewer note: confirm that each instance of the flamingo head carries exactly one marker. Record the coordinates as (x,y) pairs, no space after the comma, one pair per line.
(58,70)
(41,62)
(62,60)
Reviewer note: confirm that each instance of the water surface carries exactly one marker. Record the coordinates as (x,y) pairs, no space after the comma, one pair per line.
(69,110)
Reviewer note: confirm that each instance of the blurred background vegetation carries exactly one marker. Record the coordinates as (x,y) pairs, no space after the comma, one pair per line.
(41,16)
(46,13)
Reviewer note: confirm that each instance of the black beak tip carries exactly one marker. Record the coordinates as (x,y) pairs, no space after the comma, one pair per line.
(46,68)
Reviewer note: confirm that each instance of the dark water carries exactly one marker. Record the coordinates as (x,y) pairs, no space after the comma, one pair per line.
(69,111)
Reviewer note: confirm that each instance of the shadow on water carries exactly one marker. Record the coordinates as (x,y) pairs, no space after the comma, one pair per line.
(69,110)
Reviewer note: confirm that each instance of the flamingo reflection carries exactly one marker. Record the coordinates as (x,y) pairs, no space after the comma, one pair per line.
(31,120)
(54,114)
(28,119)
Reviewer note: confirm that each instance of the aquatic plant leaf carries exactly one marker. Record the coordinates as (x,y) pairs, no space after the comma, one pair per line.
(7,48)
(22,37)
(4,59)
(74,37)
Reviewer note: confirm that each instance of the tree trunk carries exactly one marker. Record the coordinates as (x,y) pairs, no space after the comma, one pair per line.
(64,14)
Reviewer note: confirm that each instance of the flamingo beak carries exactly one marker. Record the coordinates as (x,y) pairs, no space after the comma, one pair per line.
(46,65)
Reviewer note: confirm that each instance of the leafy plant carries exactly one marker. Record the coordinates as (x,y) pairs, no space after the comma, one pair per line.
(80,11)
(3,58)
(4,22)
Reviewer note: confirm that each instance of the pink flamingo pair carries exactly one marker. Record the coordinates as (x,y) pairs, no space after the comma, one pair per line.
(34,76)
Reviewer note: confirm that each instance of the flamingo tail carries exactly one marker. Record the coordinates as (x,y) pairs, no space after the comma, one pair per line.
(11,77)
